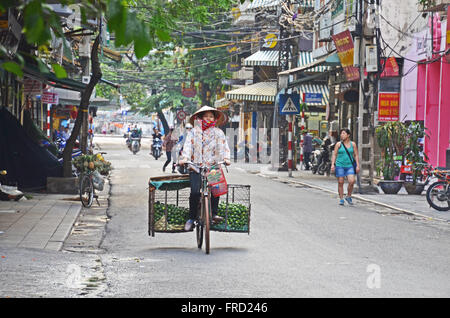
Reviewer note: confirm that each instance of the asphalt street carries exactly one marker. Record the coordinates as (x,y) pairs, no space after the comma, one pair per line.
(301,244)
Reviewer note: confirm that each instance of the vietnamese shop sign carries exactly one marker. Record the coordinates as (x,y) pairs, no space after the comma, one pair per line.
(345,49)
(50,98)
(388,106)
(312,98)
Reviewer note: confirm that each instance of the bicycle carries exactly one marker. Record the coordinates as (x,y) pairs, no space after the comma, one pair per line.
(203,222)
(87,188)
(438,193)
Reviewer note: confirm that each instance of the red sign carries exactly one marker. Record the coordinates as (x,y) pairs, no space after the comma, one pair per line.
(388,106)
(189,92)
(50,98)
(391,69)
(345,49)
(181,115)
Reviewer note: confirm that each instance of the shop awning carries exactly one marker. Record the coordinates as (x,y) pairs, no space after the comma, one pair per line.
(315,89)
(259,92)
(306,59)
(51,79)
(97,101)
(320,65)
(258,5)
(262,58)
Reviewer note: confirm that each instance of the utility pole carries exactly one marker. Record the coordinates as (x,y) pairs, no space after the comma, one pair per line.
(366,107)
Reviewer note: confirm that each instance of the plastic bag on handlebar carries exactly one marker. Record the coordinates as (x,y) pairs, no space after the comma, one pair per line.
(217,181)
(98,181)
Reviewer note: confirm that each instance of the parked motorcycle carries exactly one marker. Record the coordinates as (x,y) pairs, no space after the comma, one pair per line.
(325,163)
(438,193)
(316,160)
(156,148)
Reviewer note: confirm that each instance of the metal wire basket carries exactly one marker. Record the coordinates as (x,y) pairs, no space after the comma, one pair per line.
(234,207)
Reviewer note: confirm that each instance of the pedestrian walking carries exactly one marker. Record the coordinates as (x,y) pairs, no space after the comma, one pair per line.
(169,142)
(178,148)
(307,148)
(345,161)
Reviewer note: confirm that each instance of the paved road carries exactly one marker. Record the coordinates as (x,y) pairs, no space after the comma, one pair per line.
(301,245)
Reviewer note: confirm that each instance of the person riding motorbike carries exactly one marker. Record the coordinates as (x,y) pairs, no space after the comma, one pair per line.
(157,139)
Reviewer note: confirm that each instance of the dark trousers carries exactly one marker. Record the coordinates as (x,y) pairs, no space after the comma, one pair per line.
(169,159)
(194,198)
(306,159)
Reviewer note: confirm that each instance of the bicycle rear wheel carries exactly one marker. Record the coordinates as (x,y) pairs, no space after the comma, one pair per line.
(86,191)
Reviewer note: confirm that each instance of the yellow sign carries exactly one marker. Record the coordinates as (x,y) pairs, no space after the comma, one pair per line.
(236,13)
(270,41)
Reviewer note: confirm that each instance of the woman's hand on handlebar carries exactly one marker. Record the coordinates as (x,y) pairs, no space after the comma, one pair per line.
(227,162)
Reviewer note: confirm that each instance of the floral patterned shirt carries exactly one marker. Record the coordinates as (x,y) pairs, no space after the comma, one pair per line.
(207,147)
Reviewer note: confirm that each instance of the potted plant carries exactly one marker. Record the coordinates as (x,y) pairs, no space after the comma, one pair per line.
(416,158)
(391,138)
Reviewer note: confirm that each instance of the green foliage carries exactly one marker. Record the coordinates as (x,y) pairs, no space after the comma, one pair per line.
(415,132)
(391,138)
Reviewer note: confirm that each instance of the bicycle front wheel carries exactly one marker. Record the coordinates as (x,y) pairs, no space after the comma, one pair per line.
(438,196)
(86,191)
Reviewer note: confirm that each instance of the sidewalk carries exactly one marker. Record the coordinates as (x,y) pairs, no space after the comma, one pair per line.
(403,202)
(42,222)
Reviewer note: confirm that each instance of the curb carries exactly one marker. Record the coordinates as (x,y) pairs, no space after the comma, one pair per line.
(404,211)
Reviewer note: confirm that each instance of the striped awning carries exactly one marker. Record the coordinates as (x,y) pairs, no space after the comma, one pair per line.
(259,92)
(305,58)
(257,5)
(315,88)
(263,4)
(262,58)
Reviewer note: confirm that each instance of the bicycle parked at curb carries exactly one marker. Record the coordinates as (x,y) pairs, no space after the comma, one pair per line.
(89,181)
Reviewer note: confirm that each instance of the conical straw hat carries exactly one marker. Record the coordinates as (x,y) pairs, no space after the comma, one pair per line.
(220,116)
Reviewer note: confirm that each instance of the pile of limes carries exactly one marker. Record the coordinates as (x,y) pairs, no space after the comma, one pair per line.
(237,218)
(176,216)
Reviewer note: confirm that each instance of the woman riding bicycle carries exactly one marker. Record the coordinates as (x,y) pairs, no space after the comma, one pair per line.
(205,146)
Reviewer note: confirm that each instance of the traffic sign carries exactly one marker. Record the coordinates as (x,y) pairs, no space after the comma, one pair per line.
(289,104)
(181,115)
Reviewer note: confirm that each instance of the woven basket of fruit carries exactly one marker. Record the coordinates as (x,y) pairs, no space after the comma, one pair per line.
(168,204)
(235,208)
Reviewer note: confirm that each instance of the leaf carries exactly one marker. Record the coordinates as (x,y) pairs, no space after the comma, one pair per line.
(143,42)
(13,67)
(60,72)
(163,35)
